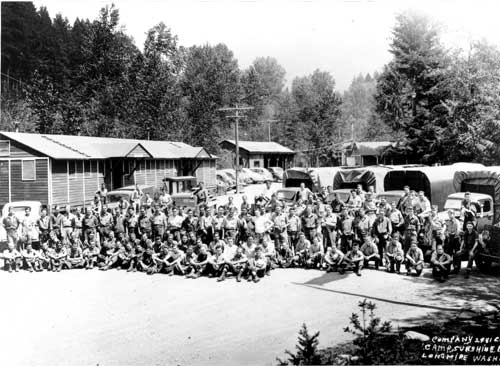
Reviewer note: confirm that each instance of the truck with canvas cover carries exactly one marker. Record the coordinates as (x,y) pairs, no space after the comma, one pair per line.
(316,179)
(485,184)
(367,176)
(435,181)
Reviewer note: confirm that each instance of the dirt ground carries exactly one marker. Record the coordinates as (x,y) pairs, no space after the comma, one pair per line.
(116,318)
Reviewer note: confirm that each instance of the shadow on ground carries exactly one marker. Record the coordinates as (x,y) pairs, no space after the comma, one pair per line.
(458,289)
(327,277)
(456,295)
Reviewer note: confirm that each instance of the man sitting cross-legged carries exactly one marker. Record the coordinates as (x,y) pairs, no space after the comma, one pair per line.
(394,255)
(354,258)
(414,259)
(370,252)
(441,264)
(215,265)
(235,265)
(333,259)
(75,257)
(198,264)
(257,266)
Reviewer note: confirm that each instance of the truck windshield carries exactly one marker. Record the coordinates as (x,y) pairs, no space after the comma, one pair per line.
(285,195)
(453,204)
(115,197)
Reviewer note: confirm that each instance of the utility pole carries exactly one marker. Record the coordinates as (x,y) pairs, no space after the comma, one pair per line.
(269,121)
(236,117)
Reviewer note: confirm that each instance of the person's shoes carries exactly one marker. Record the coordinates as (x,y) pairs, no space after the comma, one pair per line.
(238,277)
(134,269)
(268,273)
(408,273)
(256,279)
(358,274)
(341,271)
(220,279)
(210,275)
(10,269)
(129,270)
(398,272)
(30,269)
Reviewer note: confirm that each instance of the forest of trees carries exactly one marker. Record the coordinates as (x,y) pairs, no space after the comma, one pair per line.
(89,77)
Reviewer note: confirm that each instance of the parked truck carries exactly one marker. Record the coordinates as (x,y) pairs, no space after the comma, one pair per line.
(484,188)
(435,181)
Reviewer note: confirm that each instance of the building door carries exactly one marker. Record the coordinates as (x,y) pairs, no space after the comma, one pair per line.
(117,168)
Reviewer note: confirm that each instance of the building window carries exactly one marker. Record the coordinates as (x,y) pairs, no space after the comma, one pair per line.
(4,148)
(256,164)
(28,170)
(148,164)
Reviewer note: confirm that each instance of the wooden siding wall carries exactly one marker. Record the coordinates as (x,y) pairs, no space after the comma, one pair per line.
(59,182)
(76,184)
(150,174)
(29,190)
(4,181)
(92,181)
(206,173)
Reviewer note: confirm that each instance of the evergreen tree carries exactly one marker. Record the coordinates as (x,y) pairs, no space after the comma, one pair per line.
(307,349)
(413,85)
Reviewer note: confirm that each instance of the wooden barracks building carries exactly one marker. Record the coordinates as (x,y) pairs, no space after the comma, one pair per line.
(61,169)
(260,154)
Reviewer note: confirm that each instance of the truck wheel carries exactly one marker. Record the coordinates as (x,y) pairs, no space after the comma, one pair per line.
(484,265)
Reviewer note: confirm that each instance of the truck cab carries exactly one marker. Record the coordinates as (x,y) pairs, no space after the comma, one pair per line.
(289,196)
(482,202)
(19,208)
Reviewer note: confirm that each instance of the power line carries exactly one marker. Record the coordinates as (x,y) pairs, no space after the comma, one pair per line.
(236,109)
(10,77)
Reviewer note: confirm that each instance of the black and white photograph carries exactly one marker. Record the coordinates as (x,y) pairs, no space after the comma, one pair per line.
(249,182)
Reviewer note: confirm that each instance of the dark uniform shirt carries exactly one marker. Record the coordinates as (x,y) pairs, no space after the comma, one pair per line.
(470,239)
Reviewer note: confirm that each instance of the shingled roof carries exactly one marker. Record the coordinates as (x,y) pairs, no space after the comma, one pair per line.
(87,147)
(368,147)
(260,147)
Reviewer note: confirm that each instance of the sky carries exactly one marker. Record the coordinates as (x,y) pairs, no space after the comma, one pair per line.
(345,38)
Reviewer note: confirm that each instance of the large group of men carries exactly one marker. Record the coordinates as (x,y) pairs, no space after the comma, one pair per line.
(248,241)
